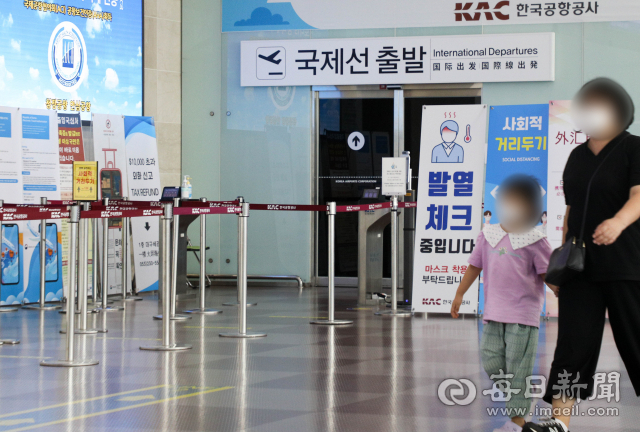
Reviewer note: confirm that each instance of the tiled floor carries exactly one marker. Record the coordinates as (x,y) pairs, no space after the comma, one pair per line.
(380,374)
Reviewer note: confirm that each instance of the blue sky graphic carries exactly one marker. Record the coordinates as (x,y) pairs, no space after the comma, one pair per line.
(114,56)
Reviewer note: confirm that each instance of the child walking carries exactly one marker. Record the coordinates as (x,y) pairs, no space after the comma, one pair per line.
(514,256)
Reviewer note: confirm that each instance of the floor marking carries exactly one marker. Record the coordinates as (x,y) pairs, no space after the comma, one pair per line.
(301,317)
(140,405)
(25,357)
(136,398)
(80,401)
(16,422)
(207,327)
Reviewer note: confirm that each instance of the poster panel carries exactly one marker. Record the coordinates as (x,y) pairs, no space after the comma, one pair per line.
(452,154)
(143,175)
(109,150)
(517,144)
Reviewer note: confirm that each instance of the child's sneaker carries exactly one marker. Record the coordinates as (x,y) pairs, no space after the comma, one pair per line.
(552,425)
(509,427)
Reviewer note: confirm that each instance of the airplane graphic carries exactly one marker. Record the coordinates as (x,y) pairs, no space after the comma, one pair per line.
(271,58)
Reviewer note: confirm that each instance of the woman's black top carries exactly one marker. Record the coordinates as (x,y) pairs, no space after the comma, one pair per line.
(609,193)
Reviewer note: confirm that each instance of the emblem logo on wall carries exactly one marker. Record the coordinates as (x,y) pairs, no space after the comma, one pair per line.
(108,124)
(282,97)
(67,56)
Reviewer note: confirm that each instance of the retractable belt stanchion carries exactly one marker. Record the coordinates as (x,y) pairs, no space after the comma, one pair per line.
(74,216)
(83,275)
(237,302)
(94,261)
(125,260)
(394,265)
(105,265)
(243,218)
(167,343)
(43,267)
(6,309)
(331,213)
(203,269)
(174,239)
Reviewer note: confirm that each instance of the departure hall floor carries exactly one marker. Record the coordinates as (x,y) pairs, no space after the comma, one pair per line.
(379,374)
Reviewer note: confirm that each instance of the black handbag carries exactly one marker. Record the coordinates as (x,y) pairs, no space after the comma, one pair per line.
(568,261)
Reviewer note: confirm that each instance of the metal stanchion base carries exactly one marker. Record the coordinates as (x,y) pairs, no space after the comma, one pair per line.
(132,298)
(203,311)
(174,347)
(8,309)
(243,335)
(176,317)
(109,309)
(331,322)
(9,341)
(87,331)
(38,307)
(399,313)
(235,303)
(89,311)
(67,363)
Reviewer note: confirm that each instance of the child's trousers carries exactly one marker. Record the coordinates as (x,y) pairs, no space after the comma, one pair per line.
(512,349)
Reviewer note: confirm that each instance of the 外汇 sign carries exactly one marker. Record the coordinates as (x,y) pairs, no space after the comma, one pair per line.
(85,181)
(406,60)
(394,176)
(448,219)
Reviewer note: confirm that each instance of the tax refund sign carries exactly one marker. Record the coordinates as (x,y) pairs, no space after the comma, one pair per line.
(403,60)
(448,220)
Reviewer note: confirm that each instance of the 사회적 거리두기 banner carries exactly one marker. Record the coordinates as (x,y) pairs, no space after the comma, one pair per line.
(450,189)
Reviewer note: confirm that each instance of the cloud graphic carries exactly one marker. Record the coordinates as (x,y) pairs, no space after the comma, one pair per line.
(49,94)
(7,22)
(139,105)
(111,80)
(260,17)
(34,73)
(16,44)
(97,60)
(139,51)
(5,75)
(94,25)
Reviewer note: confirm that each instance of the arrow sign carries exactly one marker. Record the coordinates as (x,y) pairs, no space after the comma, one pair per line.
(355,141)
(147,226)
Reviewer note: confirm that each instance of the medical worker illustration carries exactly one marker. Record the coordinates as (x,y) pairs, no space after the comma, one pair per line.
(448,151)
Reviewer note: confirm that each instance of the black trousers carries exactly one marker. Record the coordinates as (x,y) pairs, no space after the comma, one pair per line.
(582,309)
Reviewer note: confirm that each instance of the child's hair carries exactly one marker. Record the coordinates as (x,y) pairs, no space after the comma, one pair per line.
(528,188)
(488,213)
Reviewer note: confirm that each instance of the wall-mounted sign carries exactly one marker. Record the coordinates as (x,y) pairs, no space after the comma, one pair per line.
(407,60)
(394,176)
(376,14)
(85,181)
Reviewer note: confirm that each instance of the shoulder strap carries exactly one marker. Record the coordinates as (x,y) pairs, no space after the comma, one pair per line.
(586,201)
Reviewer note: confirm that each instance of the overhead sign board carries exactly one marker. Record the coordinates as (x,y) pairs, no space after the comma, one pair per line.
(405,60)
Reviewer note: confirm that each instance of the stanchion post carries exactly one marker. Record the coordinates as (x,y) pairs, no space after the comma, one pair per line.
(237,302)
(174,239)
(203,270)
(94,261)
(83,274)
(242,278)
(167,343)
(70,361)
(126,274)
(104,272)
(394,265)
(331,229)
(43,266)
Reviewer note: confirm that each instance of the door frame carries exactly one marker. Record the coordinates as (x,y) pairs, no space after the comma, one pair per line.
(398,93)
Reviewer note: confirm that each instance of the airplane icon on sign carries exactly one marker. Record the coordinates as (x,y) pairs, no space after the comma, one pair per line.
(271,58)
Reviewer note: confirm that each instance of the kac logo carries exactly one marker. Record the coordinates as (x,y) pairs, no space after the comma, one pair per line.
(67,56)
(430,301)
(481,7)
